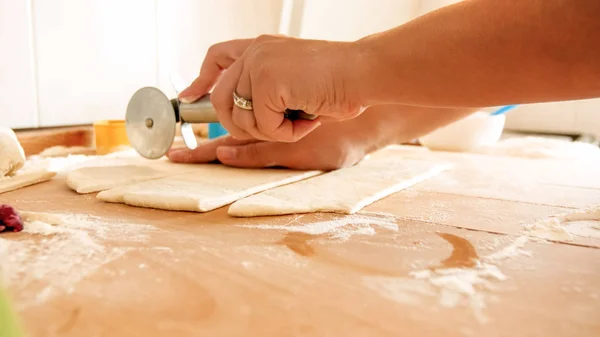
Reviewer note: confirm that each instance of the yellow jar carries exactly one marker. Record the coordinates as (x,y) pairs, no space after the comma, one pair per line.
(109,136)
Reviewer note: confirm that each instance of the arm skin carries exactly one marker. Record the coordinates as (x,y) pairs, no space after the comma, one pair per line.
(485,53)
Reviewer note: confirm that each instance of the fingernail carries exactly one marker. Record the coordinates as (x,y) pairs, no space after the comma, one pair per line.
(226,152)
(176,154)
(187,96)
(188,99)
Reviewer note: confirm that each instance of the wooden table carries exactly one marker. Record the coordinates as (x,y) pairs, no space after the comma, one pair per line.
(143,272)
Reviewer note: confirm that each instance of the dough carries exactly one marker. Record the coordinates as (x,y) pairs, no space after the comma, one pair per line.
(100,178)
(63,151)
(94,179)
(208,187)
(343,191)
(12,156)
(24,179)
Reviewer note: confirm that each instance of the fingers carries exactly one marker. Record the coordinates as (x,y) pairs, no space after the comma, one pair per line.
(206,152)
(244,119)
(257,155)
(222,100)
(270,121)
(218,58)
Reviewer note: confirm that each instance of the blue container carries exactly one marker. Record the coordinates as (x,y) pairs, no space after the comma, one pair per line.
(216,130)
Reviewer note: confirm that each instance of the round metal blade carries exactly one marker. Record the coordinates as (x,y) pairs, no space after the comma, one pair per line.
(150,122)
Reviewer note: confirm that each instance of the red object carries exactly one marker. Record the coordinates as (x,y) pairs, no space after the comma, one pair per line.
(10,221)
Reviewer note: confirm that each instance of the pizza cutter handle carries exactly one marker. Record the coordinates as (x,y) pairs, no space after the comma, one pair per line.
(202,111)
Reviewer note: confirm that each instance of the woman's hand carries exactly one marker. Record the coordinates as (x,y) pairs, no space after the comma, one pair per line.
(279,73)
(332,146)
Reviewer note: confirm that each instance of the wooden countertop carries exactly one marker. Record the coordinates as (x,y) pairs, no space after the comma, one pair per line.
(141,272)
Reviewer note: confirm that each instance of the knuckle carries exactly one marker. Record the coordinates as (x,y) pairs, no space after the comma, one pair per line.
(263,73)
(251,151)
(214,49)
(265,37)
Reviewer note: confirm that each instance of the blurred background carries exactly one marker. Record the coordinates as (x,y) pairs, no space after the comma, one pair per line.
(71,62)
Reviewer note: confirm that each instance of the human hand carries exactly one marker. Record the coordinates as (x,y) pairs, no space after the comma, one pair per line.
(332,146)
(279,73)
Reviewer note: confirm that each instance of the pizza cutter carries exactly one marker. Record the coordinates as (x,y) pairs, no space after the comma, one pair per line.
(151,120)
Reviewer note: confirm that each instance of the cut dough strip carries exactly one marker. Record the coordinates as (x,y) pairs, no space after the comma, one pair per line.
(343,191)
(208,187)
(24,179)
(100,178)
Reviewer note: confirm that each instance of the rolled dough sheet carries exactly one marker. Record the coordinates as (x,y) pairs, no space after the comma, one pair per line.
(208,187)
(24,179)
(343,191)
(100,178)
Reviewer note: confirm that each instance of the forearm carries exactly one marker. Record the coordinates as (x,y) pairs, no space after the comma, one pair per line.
(486,53)
(382,125)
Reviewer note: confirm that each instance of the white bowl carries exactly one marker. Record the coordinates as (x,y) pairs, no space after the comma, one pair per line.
(475,131)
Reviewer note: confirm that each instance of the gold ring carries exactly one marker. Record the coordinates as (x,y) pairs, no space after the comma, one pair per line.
(241,102)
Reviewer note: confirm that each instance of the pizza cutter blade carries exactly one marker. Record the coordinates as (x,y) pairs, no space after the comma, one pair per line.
(150,122)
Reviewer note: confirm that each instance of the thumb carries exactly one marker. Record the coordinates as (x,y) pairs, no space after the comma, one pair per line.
(256,155)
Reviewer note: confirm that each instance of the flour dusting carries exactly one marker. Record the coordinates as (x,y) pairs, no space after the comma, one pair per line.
(512,250)
(61,165)
(542,147)
(340,228)
(451,287)
(565,227)
(56,251)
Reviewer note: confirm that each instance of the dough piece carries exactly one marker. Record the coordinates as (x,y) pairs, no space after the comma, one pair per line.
(24,179)
(94,179)
(100,178)
(343,191)
(12,156)
(63,151)
(209,187)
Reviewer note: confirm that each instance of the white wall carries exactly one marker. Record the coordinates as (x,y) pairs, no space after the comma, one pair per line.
(187,28)
(90,55)
(67,62)
(18,99)
(346,20)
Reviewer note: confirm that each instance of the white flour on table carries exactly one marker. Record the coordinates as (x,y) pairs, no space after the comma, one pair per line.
(541,147)
(584,223)
(56,251)
(340,228)
(451,286)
